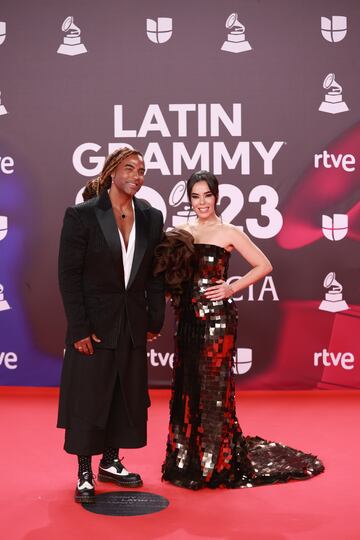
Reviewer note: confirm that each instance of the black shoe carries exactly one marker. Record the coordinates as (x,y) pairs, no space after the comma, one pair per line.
(116,473)
(85,492)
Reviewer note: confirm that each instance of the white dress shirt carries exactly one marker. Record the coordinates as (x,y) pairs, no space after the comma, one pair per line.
(128,254)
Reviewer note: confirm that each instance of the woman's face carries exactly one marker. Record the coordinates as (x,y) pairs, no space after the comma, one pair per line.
(203,200)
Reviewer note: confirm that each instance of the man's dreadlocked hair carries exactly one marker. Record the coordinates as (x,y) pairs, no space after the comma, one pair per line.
(94,187)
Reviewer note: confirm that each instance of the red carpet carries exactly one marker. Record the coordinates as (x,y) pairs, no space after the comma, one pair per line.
(38,478)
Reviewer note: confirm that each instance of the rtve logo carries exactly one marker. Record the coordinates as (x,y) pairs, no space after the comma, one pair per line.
(8,360)
(345,161)
(157,359)
(329,359)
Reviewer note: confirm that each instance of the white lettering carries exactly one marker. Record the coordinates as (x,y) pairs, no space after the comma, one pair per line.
(269,199)
(214,155)
(180,154)
(268,155)
(6,165)
(242,151)
(9,360)
(233,125)
(266,286)
(154,150)
(78,155)
(348,163)
(159,124)
(164,359)
(119,131)
(346,360)
(182,110)
(202,123)
(152,356)
(345,161)
(317,159)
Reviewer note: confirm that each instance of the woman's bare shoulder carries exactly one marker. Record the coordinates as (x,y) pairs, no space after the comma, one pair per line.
(183,227)
(230,228)
(233,233)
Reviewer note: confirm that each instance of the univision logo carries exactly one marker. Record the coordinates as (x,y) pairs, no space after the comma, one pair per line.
(242,361)
(159,31)
(3,227)
(335,228)
(334,29)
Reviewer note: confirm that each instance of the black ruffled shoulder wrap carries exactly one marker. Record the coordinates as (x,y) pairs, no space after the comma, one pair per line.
(175,257)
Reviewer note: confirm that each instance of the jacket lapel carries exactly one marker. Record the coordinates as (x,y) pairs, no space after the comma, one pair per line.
(141,241)
(106,219)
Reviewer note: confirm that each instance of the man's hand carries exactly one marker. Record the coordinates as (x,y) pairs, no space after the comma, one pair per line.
(151,337)
(84,346)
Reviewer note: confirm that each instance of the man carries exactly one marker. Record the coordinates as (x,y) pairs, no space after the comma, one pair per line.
(112,304)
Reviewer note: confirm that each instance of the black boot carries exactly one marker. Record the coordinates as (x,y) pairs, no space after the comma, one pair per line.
(116,473)
(85,492)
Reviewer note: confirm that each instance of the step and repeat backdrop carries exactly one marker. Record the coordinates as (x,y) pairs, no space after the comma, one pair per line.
(265,94)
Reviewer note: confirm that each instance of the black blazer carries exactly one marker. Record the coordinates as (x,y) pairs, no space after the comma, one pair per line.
(91,273)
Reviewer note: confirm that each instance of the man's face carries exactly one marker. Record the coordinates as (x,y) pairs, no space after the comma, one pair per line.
(128,177)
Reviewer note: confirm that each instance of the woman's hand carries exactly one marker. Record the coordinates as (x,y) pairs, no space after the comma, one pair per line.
(84,346)
(219,292)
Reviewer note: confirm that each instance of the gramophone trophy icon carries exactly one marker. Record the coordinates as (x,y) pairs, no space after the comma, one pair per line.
(2,32)
(178,196)
(236,42)
(72,41)
(2,108)
(3,303)
(333,102)
(334,301)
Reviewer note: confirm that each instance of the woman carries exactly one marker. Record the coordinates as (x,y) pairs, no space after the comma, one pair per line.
(206,446)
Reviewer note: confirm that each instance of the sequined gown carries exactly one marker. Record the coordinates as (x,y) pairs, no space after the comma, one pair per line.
(205,445)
